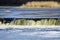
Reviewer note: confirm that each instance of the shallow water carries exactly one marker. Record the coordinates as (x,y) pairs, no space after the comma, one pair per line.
(29,34)
(29,12)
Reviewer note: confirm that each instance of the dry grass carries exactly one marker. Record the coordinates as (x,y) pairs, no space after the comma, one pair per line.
(41,4)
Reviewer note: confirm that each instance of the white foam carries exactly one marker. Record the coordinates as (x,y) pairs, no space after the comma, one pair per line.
(27,26)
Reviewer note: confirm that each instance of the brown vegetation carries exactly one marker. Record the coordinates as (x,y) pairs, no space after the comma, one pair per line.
(41,4)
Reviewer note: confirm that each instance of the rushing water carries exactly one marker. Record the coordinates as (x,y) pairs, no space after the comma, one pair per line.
(29,34)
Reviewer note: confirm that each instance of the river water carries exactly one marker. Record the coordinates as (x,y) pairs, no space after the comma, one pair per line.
(29,34)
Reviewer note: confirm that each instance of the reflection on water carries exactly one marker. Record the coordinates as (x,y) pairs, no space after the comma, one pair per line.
(29,34)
